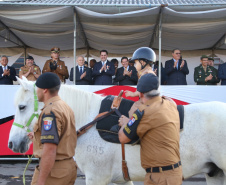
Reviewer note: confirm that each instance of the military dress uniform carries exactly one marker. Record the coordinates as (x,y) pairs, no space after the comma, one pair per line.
(56,124)
(31,77)
(59,68)
(156,122)
(200,74)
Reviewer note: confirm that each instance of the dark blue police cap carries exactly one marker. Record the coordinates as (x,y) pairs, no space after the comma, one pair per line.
(30,58)
(148,82)
(48,80)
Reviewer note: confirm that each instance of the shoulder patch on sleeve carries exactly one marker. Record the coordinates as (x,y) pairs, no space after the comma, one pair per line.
(48,121)
(137,115)
(49,131)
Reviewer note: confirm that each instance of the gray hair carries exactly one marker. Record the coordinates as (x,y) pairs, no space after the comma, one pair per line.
(152,94)
(5,57)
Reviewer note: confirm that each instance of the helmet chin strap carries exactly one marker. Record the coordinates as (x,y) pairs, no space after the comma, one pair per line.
(144,66)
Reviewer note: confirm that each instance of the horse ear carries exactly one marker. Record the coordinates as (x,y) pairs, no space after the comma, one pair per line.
(23,82)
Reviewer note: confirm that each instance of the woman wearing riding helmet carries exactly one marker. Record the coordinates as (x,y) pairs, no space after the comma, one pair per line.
(143,58)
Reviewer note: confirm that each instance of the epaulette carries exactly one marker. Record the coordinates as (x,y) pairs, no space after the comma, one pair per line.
(48,108)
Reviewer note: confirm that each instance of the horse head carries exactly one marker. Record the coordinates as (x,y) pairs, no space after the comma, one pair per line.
(27,111)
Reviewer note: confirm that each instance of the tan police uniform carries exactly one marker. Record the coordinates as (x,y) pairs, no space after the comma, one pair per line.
(61,69)
(158,129)
(56,124)
(144,71)
(31,77)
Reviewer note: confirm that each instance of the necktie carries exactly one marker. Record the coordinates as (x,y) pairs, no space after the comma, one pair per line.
(80,71)
(178,64)
(102,63)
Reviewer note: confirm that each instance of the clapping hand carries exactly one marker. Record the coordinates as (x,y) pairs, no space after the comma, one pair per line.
(175,64)
(103,68)
(83,75)
(182,64)
(31,70)
(128,73)
(209,77)
(6,72)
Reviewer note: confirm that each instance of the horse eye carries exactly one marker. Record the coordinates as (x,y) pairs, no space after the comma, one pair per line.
(22,107)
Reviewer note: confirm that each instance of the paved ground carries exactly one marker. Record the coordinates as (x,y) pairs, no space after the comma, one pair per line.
(11,173)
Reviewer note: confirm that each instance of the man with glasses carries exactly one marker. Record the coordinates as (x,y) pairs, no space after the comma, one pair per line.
(176,69)
(204,74)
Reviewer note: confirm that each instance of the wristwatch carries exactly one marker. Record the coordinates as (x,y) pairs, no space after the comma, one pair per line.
(34,73)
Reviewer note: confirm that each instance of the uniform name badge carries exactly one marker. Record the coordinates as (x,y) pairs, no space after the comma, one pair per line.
(48,123)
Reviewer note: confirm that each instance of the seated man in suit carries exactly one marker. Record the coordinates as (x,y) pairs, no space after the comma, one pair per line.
(222,73)
(30,70)
(126,75)
(7,73)
(103,70)
(176,69)
(83,73)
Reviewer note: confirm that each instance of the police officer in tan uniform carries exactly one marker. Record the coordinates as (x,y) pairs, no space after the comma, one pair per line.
(54,136)
(30,70)
(156,122)
(55,65)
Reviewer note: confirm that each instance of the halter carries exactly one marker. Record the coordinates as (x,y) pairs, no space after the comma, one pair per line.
(35,114)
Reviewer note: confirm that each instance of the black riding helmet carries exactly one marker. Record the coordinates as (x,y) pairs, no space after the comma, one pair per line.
(144,53)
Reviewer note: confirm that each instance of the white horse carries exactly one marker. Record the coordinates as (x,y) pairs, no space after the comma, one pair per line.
(202,142)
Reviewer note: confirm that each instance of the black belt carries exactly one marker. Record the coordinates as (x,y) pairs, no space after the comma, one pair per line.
(39,160)
(164,168)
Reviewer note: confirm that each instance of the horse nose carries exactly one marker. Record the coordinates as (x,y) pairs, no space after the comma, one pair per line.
(10,145)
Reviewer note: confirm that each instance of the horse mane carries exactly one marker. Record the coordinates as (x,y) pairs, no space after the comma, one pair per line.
(84,104)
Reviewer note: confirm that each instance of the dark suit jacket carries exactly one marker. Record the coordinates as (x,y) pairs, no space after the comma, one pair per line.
(222,73)
(126,80)
(176,76)
(8,80)
(86,80)
(163,74)
(103,78)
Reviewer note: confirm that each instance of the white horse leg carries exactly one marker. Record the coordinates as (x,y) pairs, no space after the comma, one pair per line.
(94,180)
(218,179)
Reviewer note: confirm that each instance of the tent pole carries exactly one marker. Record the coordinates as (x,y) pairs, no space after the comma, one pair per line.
(160,46)
(25,54)
(74,47)
(88,55)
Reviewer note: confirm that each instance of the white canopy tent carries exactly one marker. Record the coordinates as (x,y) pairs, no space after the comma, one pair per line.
(43,27)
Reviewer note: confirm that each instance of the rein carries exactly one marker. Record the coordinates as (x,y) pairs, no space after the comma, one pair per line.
(35,114)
